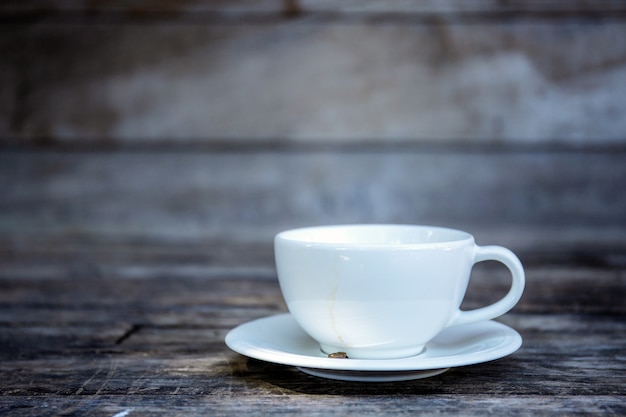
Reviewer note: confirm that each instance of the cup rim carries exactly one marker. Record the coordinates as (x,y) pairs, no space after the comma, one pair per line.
(296,236)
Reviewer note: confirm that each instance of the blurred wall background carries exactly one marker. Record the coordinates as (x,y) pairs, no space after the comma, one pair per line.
(231,120)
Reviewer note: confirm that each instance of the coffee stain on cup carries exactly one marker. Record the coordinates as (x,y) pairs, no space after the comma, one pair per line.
(333,301)
(331,314)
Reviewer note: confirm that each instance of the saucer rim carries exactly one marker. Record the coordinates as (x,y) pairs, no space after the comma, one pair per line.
(510,341)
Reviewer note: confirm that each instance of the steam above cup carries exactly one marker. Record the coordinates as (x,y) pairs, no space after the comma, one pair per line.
(384,291)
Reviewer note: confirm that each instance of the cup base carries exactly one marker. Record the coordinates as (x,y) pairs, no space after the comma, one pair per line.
(370,353)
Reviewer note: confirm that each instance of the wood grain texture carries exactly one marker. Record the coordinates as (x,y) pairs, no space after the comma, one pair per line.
(149,151)
(308,80)
(517,199)
(99,330)
(291,8)
(61,347)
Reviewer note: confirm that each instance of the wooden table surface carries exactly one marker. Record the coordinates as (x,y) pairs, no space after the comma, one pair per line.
(129,328)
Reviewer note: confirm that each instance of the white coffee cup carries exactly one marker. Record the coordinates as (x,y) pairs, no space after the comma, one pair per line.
(384,291)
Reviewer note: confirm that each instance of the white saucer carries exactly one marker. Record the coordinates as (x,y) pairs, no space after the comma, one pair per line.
(280,340)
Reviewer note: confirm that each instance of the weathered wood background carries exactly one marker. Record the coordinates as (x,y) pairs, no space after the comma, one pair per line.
(220,119)
(149,151)
(313,71)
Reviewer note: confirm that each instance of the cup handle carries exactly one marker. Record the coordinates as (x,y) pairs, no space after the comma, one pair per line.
(508,258)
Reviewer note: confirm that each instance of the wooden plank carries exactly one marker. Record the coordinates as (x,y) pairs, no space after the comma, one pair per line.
(298,7)
(169,302)
(19,342)
(533,201)
(182,300)
(132,258)
(486,83)
(461,7)
(553,290)
(328,405)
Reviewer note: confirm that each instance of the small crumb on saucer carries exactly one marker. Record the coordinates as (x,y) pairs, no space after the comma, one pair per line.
(338,355)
